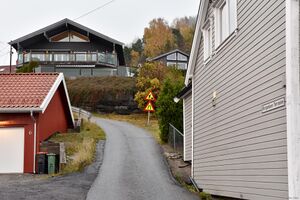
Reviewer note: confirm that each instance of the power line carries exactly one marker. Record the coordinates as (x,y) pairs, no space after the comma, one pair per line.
(102,6)
(4,54)
(4,48)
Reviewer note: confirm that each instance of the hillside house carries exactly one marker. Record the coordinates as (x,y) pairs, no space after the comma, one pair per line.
(71,48)
(244,102)
(175,58)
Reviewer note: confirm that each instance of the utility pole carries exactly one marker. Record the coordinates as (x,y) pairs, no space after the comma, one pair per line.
(10,58)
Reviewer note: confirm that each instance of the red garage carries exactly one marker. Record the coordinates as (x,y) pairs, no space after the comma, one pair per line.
(32,108)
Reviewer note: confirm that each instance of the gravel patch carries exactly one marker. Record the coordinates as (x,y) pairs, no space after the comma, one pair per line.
(73,186)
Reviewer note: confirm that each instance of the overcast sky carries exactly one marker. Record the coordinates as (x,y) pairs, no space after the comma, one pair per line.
(123,20)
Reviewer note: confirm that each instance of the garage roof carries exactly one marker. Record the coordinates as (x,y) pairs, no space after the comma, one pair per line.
(30,92)
(25,90)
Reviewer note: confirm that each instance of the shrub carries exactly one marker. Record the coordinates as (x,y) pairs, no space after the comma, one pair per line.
(27,68)
(90,92)
(167,110)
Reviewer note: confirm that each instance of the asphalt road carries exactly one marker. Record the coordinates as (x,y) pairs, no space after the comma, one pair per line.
(133,167)
(73,186)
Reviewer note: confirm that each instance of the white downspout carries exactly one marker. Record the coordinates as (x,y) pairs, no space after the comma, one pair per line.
(193,94)
(34,140)
(293,97)
(184,131)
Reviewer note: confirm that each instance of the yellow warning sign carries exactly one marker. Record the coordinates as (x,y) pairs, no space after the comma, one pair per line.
(149,107)
(150,97)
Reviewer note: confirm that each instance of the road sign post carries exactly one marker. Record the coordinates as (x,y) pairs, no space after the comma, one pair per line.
(149,107)
(148,122)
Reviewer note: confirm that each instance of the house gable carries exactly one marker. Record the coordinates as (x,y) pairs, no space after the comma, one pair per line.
(56,117)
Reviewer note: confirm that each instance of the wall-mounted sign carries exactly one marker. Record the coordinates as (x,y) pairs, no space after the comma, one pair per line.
(273,105)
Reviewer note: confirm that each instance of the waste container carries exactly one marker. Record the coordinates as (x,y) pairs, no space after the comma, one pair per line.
(51,163)
(42,163)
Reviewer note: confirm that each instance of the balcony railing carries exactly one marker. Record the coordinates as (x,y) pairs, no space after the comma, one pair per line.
(76,58)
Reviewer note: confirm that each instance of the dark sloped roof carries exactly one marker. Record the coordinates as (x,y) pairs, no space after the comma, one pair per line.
(166,54)
(62,22)
(184,91)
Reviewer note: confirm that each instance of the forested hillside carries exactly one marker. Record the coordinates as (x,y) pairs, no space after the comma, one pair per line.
(160,37)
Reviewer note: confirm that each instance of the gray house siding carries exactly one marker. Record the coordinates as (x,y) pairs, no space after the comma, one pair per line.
(238,150)
(188,127)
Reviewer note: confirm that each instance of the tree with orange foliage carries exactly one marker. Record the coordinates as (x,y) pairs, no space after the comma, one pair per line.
(186,27)
(135,58)
(158,38)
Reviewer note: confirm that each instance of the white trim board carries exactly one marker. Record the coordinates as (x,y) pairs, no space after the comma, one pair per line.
(197,38)
(293,97)
(60,79)
(184,130)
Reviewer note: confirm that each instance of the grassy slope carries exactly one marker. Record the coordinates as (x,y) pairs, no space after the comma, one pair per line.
(80,147)
(89,91)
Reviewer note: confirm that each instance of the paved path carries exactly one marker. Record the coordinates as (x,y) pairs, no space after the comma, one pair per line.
(133,167)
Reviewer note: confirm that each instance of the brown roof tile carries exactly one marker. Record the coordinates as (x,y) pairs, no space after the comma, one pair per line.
(25,90)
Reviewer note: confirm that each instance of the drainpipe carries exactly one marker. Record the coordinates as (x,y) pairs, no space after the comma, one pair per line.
(34,139)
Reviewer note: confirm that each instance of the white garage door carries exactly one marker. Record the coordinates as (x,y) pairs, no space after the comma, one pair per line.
(11,150)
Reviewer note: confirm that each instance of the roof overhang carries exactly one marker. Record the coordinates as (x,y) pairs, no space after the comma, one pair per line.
(20,110)
(42,108)
(166,54)
(65,23)
(197,38)
(185,91)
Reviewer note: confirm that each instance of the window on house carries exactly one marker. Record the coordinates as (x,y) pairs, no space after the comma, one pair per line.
(181,57)
(207,36)
(182,66)
(171,64)
(171,56)
(69,36)
(225,19)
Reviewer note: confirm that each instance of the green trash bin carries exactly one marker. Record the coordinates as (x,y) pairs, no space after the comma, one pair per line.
(51,163)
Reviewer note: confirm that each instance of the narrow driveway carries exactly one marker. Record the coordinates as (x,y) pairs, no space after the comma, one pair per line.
(133,167)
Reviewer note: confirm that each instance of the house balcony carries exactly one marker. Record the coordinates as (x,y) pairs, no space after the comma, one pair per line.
(90,58)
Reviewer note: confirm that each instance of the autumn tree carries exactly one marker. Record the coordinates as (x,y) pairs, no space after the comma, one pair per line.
(150,77)
(158,38)
(133,53)
(186,28)
(135,57)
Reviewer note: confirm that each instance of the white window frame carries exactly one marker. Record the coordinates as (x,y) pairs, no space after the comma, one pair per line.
(230,22)
(207,37)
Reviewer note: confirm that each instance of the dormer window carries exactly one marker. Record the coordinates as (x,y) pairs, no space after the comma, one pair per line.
(69,36)
(207,37)
(225,20)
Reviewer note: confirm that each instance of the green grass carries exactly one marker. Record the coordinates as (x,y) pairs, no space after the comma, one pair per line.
(80,147)
(139,120)
(190,188)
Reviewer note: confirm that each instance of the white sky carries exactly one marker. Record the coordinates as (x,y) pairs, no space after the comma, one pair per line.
(123,20)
